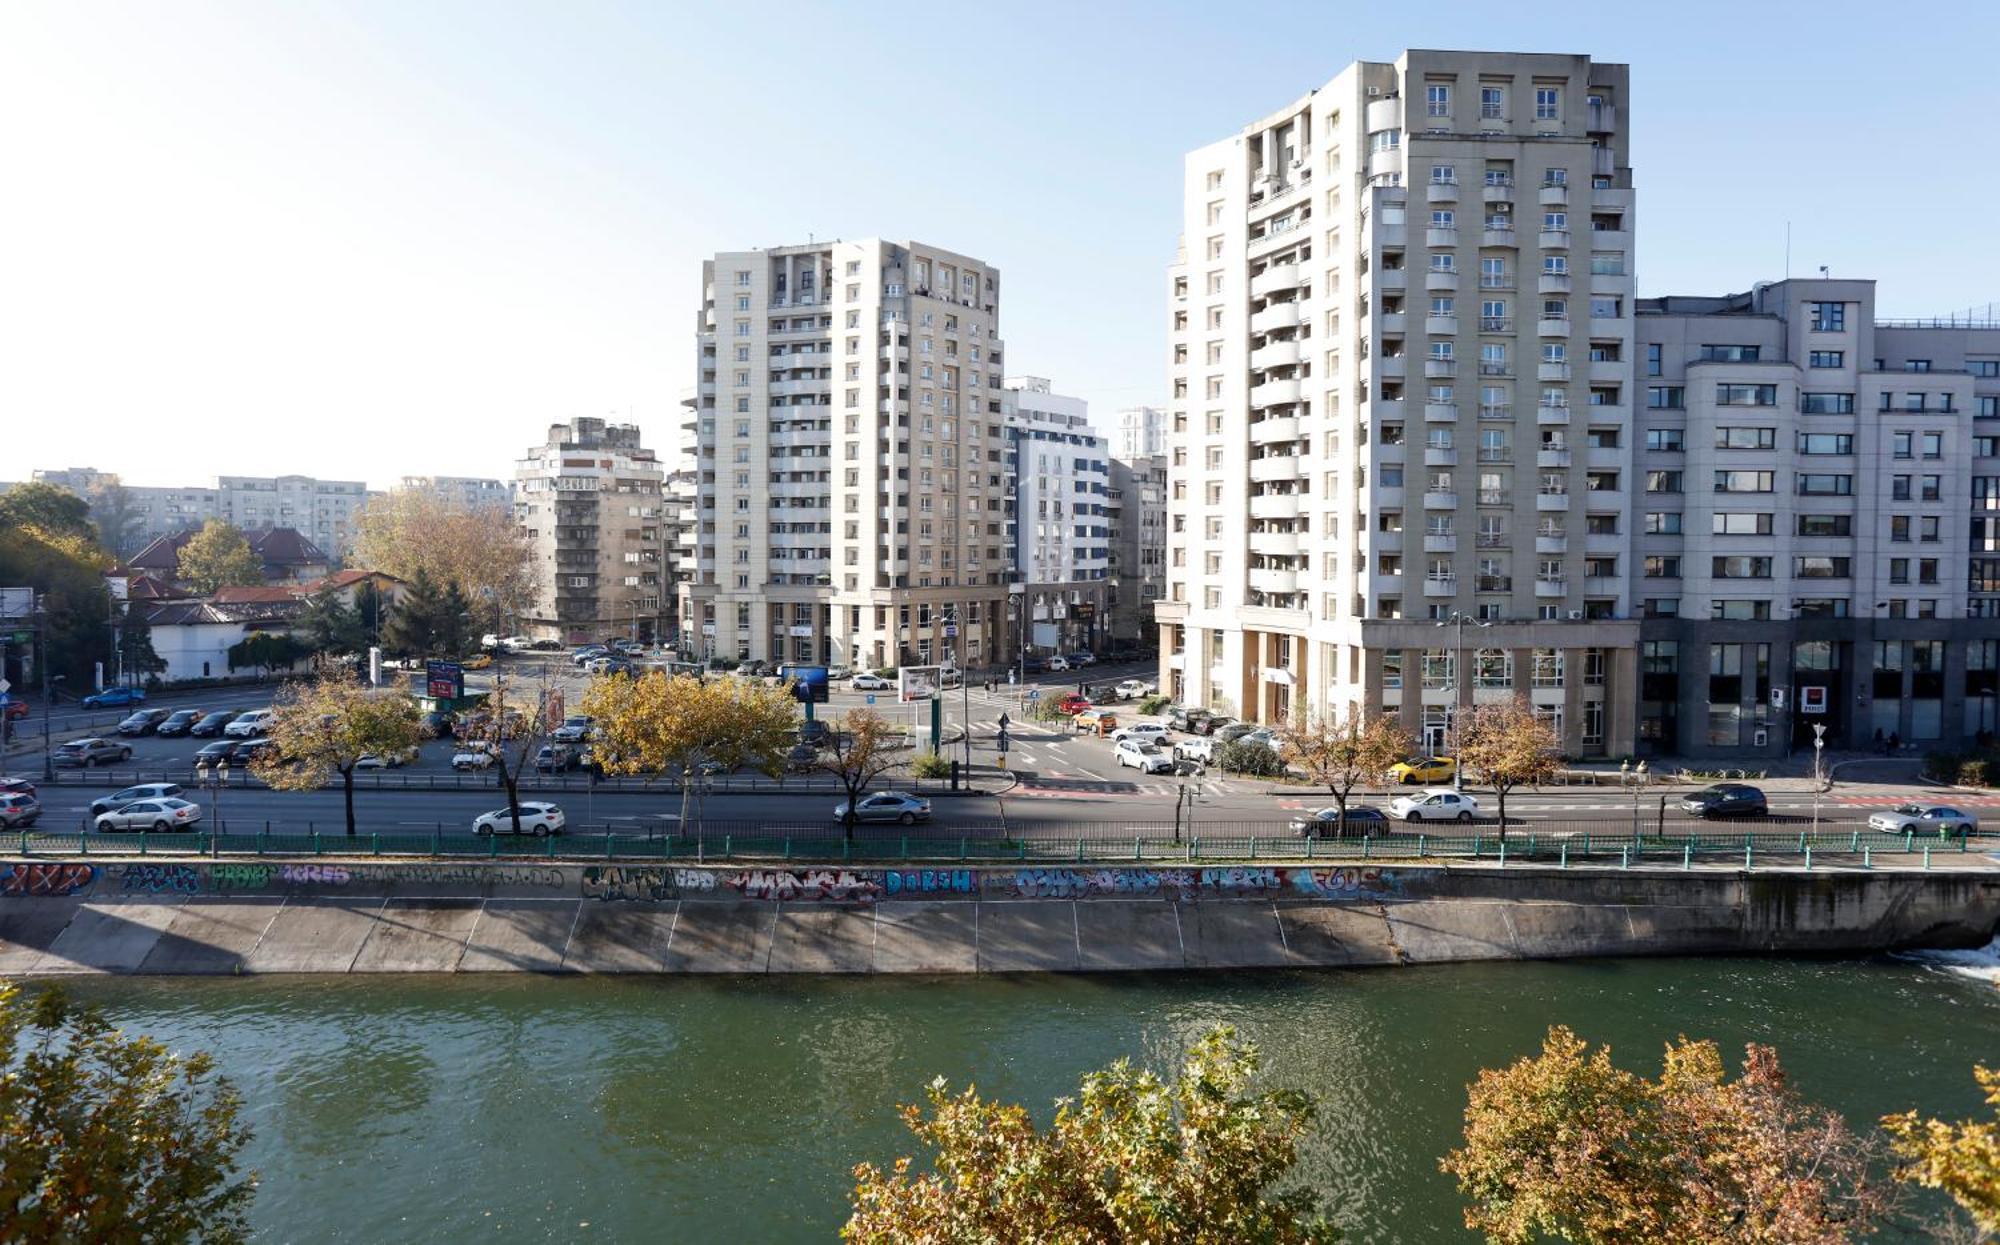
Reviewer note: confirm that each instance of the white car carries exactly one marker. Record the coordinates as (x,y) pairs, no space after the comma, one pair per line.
(144,791)
(255,722)
(169,814)
(872,683)
(574,728)
(1147,758)
(385,760)
(1437,804)
(1202,750)
(537,818)
(475,756)
(1134,689)
(489,641)
(1146,732)
(1924,819)
(1058,663)
(515,644)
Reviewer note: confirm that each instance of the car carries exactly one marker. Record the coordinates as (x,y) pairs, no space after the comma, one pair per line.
(380,760)
(631,648)
(248,751)
(81,753)
(537,818)
(1421,771)
(898,806)
(1056,664)
(143,722)
(478,661)
(574,728)
(489,640)
(950,679)
(113,697)
(476,755)
(556,758)
(255,722)
(1151,732)
(180,722)
(19,810)
(608,663)
(1208,724)
(547,646)
(1072,703)
(1143,755)
(1233,731)
(515,644)
(1325,823)
(1082,659)
(144,791)
(437,725)
(12,708)
(1095,721)
(872,683)
(1437,804)
(1133,689)
(712,767)
(802,758)
(1726,799)
(212,723)
(1202,750)
(838,672)
(16,786)
(1924,819)
(586,653)
(1263,736)
(216,755)
(169,814)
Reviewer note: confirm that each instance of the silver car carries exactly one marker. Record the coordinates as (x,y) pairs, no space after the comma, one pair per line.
(144,791)
(169,814)
(1924,819)
(898,806)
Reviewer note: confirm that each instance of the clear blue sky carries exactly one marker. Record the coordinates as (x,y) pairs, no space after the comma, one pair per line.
(372,239)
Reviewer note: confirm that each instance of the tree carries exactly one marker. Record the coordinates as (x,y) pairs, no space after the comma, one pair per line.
(137,658)
(66,571)
(1342,755)
(121,525)
(218,556)
(265,651)
(1962,1159)
(860,747)
(56,511)
(666,723)
(454,623)
(1131,1158)
(1507,745)
(480,550)
(329,625)
(324,727)
(512,724)
(411,629)
(105,1137)
(1566,1146)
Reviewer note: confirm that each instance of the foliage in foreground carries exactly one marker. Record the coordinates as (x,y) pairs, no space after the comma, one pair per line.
(1961,1159)
(1132,1158)
(111,1138)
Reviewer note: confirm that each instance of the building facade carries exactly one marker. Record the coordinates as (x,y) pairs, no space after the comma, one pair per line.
(324,510)
(1142,433)
(1060,479)
(1137,513)
(1818,536)
(851,444)
(465,492)
(1401,421)
(588,499)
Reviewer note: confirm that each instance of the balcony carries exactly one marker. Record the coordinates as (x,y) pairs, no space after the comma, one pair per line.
(1275,506)
(1441,412)
(1493,583)
(1392,323)
(1440,585)
(1440,236)
(1440,542)
(1440,368)
(1608,372)
(1554,239)
(1392,367)
(1601,326)
(1495,454)
(1440,501)
(1496,324)
(1603,162)
(1274,393)
(1270,431)
(1275,467)
(1551,328)
(1495,497)
(1441,192)
(1275,544)
(1496,411)
(1385,542)
(1391,233)
(1557,587)
(1553,196)
(1490,236)
(1553,283)
(1440,456)
(1266,579)
(1275,278)
(1275,354)
(1497,192)
(1496,281)
(1392,278)
(1492,540)
(1551,544)
(1435,280)
(1545,415)
(1557,502)
(1552,371)
(1277,316)
(1552,458)
(1495,367)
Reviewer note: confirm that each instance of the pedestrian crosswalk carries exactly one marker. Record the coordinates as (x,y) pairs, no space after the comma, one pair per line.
(1055,785)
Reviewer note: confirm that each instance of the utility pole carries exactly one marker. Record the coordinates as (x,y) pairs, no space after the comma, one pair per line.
(48,687)
(1457,619)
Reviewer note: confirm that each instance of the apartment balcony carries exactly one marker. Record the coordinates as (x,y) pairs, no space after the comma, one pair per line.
(1274,393)
(1493,583)
(1387,408)
(1445,281)
(1611,197)
(1556,588)
(1603,162)
(1267,579)
(1392,279)
(1392,323)
(1553,283)
(1441,326)
(1553,196)
(1620,239)
(1275,505)
(1392,366)
(1601,326)
(1273,279)
(1552,371)
(1554,239)
(1276,317)
(1551,328)
(1557,502)
(1441,192)
(1440,585)
(797,388)
(1496,281)
(1557,415)
(1497,192)
(1275,544)
(1498,411)
(1441,412)
(1552,458)
(1495,497)
(1440,456)
(1492,540)
(1496,324)
(1608,372)
(1440,501)
(1391,233)
(1271,431)
(1440,236)
(1489,236)
(1275,467)
(1440,542)
(1384,542)
(1609,282)
(1440,368)
(1551,544)
(1496,454)
(1495,369)
(1275,354)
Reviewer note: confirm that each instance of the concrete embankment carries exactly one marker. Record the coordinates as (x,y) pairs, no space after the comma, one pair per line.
(336,916)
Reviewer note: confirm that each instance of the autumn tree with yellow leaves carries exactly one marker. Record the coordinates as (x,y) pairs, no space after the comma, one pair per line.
(1508,745)
(1962,1159)
(1342,754)
(324,727)
(861,746)
(675,723)
(477,549)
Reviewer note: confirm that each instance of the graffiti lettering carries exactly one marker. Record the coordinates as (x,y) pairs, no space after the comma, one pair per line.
(694,879)
(313,875)
(628,883)
(46,880)
(1241,881)
(1342,883)
(1077,883)
(835,884)
(929,881)
(238,877)
(163,879)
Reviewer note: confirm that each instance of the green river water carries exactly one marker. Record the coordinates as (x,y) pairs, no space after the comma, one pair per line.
(522,1108)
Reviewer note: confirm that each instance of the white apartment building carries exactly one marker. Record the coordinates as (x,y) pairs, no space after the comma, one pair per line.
(1401,332)
(1142,433)
(322,509)
(1060,476)
(1818,537)
(588,500)
(465,492)
(851,446)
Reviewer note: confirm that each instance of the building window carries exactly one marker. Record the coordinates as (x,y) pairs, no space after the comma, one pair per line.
(1728,438)
(1745,481)
(1437,99)
(1492,102)
(1828,317)
(1746,395)
(1666,398)
(1653,359)
(1548,103)
(1826,404)
(1810,485)
(1826,358)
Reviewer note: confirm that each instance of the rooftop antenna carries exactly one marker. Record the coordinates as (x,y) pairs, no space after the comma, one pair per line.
(1823,272)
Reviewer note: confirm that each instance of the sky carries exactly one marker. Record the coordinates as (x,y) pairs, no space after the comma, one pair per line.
(374,239)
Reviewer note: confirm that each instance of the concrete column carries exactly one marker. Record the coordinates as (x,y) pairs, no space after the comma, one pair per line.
(1572,731)
(1621,702)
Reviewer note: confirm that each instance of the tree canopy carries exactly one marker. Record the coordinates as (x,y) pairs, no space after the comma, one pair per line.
(217,556)
(47,544)
(860,747)
(322,728)
(673,723)
(1342,755)
(1961,1159)
(328,624)
(478,550)
(56,511)
(1507,744)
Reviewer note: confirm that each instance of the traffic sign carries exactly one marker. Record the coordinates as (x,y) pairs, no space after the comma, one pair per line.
(950,631)
(5,687)
(871,698)
(1034,693)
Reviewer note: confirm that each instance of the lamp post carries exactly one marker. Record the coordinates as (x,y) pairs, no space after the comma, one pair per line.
(1458,620)
(1017,605)
(1819,752)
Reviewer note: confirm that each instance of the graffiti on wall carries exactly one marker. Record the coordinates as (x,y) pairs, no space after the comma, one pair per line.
(930,882)
(1349,883)
(161,879)
(1080,883)
(806,884)
(627,883)
(28,881)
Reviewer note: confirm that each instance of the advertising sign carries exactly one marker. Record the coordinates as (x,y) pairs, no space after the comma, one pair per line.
(917,683)
(1812,700)
(809,683)
(17,602)
(444,680)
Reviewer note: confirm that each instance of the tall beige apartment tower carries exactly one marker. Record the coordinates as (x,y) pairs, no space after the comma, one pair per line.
(1400,433)
(850,448)
(588,502)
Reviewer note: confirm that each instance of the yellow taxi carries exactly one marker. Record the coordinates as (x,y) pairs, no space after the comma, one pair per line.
(1423,770)
(478,661)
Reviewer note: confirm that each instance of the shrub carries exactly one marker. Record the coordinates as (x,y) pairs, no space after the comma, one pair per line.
(1155,704)
(930,765)
(1046,710)
(886,672)
(1257,760)
(1978,771)
(1942,766)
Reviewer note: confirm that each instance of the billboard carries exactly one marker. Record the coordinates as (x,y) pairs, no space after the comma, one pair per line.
(917,683)
(809,683)
(444,680)
(17,602)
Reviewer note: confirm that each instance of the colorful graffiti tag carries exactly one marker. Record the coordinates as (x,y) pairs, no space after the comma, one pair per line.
(930,882)
(25,881)
(806,884)
(161,879)
(626,883)
(1351,883)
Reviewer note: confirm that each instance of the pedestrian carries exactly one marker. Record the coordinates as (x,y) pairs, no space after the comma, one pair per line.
(1895,742)
(1881,744)
(1624,772)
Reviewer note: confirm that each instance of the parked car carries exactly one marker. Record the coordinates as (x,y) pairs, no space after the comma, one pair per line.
(815,732)
(476,755)
(899,806)
(1150,732)
(1034,665)
(1439,804)
(216,755)
(557,758)
(255,722)
(13,709)
(1263,735)
(608,663)
(114,697)
(1420,771)
(1925,819)
(838,672)
(16,786)
(143,722)
(872,683)
(19,810)
(1726,799)
(489,640)
(1325,823)
(754,669)
(478,661)
(574,728)
(81,753)
(1095,722)
(248,750)
(1209,724)
(212,723)
(515,644)
(180,722)
(1232,731)
(437,725)
(382,760)
(1134,689)
(1073,703)
(1082,659)
(1056,664)
(1202,750)
(169,814)
(144,791)
(586,653)
(537,818)
(1142,755)
(547,646)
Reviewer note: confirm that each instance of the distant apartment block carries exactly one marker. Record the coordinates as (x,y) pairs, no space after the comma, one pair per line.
(1137,511)
(465,492)
(322,510)
(1141,433)
(1061,477)
(588,499)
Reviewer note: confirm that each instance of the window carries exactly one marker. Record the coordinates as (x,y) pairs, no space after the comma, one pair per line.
(1548,103)
(1745,481)
(1899,570)
(1826,403)
(1899,528)
(1930,488)
(1661,523)
(1899,488)
(1987,368)
(1933,444)
(1828,317)
(1667,440)
(1746,438)
(1666,398)
(1825,485)
(1826,358)
(1927,529)
(1987,406)
(1741,566)
(1437,98)
(1752,524)
(1746,395)
(1916,365)
(1658,566)
(1492,101)
(1663,481)
(1826,443)
(1739,611)
(1728,354)
(1653,359)
(1820,566)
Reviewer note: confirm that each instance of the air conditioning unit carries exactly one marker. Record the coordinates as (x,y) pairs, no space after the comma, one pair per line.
(1576,615)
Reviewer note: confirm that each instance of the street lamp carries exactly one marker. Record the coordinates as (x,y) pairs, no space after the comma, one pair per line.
(1819,752)
(48,711)
(1456,619)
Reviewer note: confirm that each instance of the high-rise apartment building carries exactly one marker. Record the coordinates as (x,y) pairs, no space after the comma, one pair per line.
(1060,477)
(588,500)
(1137,510)
(1817,537)
(1400,425)
(465,492)
(322,509)
(851,445)
(1142,433)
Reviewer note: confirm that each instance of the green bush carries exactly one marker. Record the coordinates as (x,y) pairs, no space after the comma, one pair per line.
(1257,760)
(1155,704)
(1046,710)
(886,672)
(1976,771)
(1942,766)
(930,765)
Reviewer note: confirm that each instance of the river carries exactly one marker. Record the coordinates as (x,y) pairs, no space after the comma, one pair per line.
(522,1108)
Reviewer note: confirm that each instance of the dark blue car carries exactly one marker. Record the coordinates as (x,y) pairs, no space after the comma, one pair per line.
(112,697)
